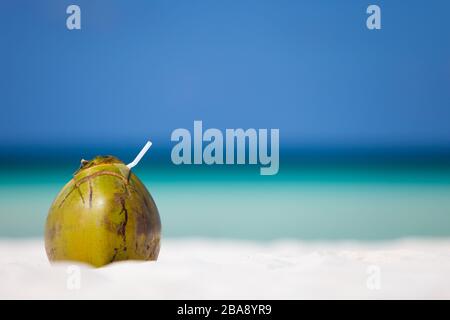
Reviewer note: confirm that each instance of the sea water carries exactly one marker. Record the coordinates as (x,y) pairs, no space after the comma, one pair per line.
(321,203)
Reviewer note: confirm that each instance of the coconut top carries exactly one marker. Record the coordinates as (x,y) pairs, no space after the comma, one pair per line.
(98,160)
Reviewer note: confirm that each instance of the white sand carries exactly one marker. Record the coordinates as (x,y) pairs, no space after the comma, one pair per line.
(201,269)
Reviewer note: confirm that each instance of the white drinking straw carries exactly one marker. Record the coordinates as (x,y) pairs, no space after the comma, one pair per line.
(140,155)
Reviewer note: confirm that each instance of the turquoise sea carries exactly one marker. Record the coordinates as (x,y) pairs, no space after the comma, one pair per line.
(301,202)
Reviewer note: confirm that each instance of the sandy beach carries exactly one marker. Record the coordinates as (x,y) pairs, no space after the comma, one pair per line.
(224,269)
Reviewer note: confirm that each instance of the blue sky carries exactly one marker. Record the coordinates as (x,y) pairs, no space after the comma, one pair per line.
(141,69)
